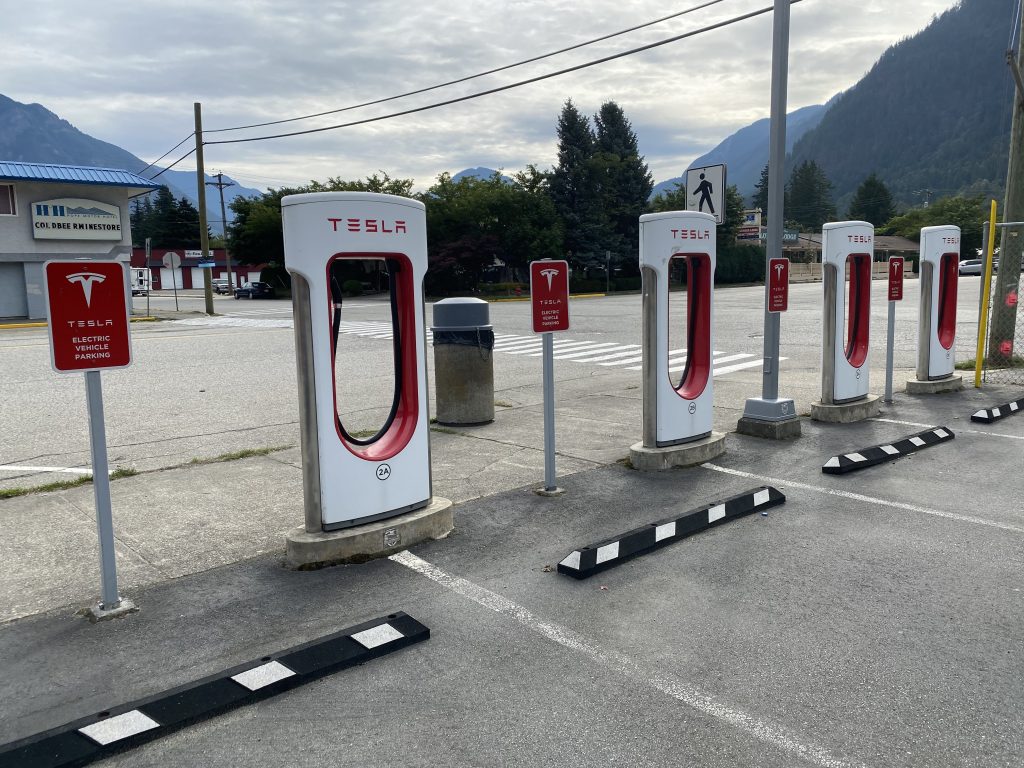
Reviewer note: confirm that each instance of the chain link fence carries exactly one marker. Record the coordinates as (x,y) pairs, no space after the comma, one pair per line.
(1003,361)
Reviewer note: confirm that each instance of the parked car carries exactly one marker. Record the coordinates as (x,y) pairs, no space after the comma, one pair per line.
(220,285)
(975,266)
(255,291)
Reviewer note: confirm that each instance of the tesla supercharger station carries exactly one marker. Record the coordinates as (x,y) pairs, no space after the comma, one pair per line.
(677,411)
(847,250)
(940,260)
(350,480)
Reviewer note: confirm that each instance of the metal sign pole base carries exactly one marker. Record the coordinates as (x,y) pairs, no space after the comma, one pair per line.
(101,489)
(774,419)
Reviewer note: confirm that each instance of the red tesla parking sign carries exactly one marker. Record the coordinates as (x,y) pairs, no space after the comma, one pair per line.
(86,302)
(895,278)
(778,285)
(549,295)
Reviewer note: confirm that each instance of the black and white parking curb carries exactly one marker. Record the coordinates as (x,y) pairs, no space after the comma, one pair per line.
(587,561)
(129,725)
(879,454)
(988,415)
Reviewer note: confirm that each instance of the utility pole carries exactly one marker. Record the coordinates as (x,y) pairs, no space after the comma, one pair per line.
(220,184)
(204,235)
(772,416)
(1005,298)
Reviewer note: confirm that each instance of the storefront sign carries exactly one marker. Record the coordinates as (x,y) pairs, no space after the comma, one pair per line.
(72,218)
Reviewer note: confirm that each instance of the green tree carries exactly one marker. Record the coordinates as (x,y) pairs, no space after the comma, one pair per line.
(169,223)
(624,181)
(575,191)
(760,199)
(872,202)
(670,199)
(725,233)
(968,213)
(475,225)
(809,197)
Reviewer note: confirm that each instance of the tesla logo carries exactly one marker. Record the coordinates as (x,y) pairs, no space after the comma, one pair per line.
(86,280)
(383,472)
(370,226)
(549,274)
(896,267)
(691,234)
(779,269)
(859,238)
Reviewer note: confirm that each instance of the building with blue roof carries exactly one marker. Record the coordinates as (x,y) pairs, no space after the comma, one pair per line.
(51,212)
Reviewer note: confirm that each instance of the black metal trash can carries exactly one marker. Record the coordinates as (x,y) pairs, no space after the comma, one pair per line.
(463,362)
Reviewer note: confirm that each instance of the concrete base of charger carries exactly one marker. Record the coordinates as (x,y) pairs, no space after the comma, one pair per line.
(787,429)
(847,413)
(685,455)
(952,383)
(307,551)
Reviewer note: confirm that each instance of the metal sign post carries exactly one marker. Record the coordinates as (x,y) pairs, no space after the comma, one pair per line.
(549,297)
(895,294)
(172,261)
(771,415)
(87,307)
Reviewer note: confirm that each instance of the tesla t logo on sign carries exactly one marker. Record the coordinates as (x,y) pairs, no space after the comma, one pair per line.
(87,307)
(549,295)
(778,285)
(896,278)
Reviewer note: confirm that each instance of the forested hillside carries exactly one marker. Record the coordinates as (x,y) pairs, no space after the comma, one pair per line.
(931,118)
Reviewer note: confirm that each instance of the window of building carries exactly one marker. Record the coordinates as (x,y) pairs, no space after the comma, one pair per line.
(7,200)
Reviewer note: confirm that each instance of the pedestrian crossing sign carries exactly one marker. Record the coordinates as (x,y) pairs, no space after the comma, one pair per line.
(705,191)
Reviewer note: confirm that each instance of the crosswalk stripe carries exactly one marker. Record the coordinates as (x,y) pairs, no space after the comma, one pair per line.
(726,359)
(604,347)
(628,349)
(574,346)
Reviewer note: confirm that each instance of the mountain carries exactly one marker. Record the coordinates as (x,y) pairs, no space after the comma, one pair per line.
(745,152)
(34,134)
(479,173)
(931,118)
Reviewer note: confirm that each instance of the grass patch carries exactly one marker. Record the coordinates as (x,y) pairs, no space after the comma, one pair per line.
(245,453)
(362,434)
(120,472)
(968,365)
(59,485)
(445,430)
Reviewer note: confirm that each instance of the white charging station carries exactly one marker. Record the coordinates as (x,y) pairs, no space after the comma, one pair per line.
(940,267)
(847,250)
(349,480)
(677,411)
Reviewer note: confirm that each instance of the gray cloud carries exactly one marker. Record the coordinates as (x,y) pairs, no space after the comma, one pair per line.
(128,72)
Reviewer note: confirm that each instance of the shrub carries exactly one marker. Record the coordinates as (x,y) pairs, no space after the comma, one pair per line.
(740,264)
(352,287)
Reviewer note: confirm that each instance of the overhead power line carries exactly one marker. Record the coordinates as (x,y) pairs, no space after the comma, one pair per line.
(510,86)
(165,154)
(473,77)
(165,170)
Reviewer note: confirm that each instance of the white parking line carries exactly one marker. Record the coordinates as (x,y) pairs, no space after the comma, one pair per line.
(958,429)
(867,499)
(770,733)
(25,468)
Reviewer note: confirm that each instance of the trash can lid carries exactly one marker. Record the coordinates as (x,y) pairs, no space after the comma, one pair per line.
(463,312)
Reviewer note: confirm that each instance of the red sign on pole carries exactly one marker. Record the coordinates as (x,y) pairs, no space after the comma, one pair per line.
(86,302)
(549,295)
(778,285)
(896,278)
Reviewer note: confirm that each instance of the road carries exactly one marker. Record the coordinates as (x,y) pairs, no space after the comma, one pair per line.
(202,386)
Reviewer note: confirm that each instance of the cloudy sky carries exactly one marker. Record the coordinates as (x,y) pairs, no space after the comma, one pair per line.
(129,72)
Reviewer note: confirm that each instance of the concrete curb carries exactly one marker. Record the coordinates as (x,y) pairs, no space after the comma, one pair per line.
(361,543)
(847,413)
(686,455)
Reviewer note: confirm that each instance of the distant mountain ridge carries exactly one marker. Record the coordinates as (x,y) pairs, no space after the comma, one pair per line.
(745,152)
(931,117)
(34,134)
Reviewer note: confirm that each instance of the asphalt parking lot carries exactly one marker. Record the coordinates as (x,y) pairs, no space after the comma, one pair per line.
(874,619)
